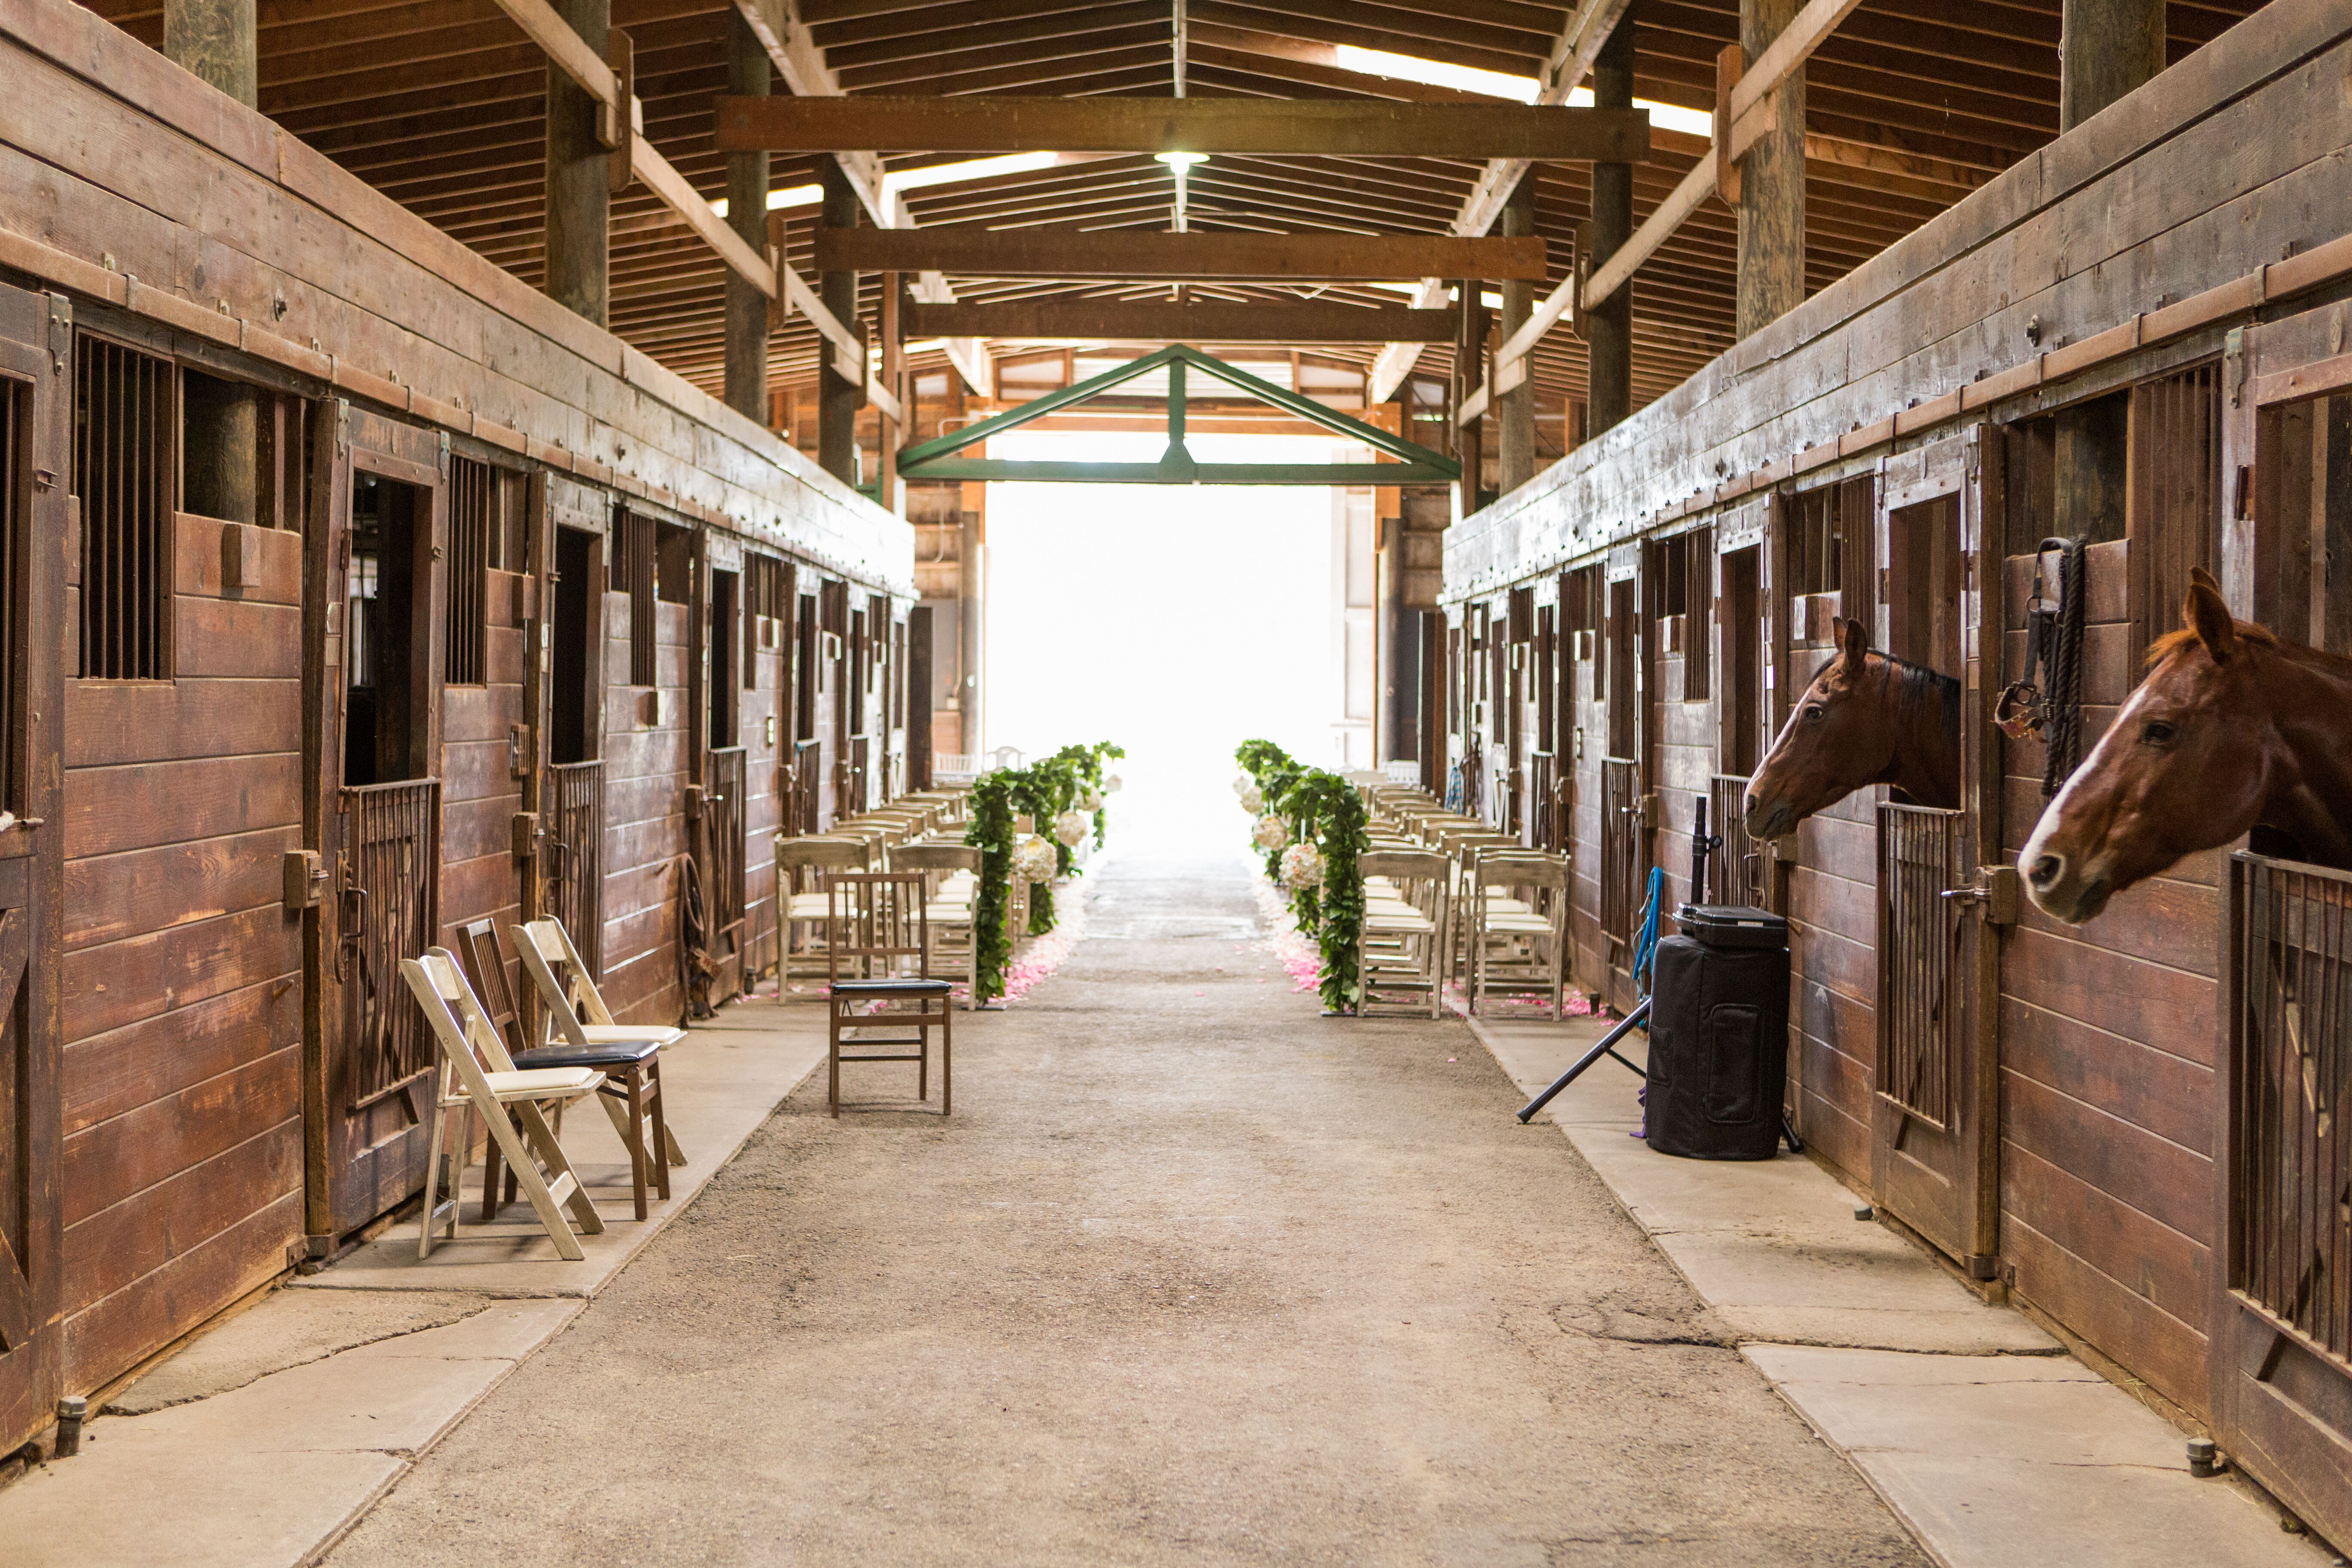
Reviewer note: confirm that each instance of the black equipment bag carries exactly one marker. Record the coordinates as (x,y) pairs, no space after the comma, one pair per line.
(1718,1049)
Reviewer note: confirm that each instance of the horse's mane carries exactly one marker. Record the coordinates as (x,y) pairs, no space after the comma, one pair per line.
(2173,641)
(1918,686)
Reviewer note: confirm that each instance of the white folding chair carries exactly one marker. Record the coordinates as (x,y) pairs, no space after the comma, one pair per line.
(952,871)
(628,1053)
(1518,949)
(1402,943)
(486,1081)
(803,907)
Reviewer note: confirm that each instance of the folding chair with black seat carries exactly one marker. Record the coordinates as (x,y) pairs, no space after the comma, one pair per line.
(477,1075)
(877,959)
(629,1057)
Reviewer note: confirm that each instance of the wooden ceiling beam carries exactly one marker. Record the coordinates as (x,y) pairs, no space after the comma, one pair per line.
(1065,253)
(1228,125)
(1306,321)
(1048,25)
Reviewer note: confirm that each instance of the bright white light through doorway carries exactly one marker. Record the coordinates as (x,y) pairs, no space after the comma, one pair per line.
(1180,620)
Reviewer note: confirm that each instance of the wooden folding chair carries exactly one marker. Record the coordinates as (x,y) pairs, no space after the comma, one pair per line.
(487,1081)
(628,1053)
(949,902)
(1404,937)
(804,907)
(1515,948)
(631,1066)
(877,955)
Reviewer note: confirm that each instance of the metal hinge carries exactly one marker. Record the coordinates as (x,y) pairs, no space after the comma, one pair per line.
(2233,364)
(60,332)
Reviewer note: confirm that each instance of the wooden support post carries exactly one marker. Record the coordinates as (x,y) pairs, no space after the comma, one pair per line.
(579,196)
(1469,376)
(1772,185)
(1515,407)
(2106,47)
(213,39)
(893,495)
(972,606)
(1609,325)
(746,214)
(837,397)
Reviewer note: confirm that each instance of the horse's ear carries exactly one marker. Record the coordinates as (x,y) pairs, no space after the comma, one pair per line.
(2199,574)
(2208,615)
(1852,641)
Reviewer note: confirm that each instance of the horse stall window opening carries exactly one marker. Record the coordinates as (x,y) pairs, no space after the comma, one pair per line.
(388,597)
(725,704)
(1743,716)
(473,521)
(575,647)
(126,425)
(768,595)
(2303,529)
(1923,584)
(632,574)
(2174,506)
(1679,571)
(1624,641)
(805,664)
(1828,560)
(16,438)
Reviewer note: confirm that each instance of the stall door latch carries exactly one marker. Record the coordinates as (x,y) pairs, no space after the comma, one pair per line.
(1993,897)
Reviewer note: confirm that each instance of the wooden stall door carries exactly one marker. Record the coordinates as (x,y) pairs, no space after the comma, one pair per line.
(36,347)
(2280,1325)
(372,605)
(1934,1120)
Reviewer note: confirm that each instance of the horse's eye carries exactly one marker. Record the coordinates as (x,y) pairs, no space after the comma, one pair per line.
(1815,713)
(2158,732)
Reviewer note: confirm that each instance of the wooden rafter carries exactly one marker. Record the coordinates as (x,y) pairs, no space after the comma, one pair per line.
(1133,252)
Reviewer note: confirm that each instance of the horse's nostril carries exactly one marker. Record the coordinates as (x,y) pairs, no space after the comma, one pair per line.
(2047,868)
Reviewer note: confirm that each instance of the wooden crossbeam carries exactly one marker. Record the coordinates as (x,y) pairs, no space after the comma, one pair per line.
(1321,258)
(1566,65)
(1213,125)
(1120,321)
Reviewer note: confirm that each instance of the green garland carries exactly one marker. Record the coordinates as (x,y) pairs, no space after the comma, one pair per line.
(1041,791)
(991,828)
(1323,809)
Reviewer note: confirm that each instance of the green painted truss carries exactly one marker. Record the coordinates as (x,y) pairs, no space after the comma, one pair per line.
(1416,464)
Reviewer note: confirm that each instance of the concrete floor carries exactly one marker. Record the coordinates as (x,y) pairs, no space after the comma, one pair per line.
(1192,1275)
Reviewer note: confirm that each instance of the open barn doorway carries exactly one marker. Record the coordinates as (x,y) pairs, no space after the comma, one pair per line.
(1178,620)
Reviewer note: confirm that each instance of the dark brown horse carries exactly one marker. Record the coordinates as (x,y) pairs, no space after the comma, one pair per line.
(2232,730)
(1867,719)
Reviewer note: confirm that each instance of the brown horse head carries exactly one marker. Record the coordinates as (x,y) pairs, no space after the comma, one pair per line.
(1867,719)
(2232,729)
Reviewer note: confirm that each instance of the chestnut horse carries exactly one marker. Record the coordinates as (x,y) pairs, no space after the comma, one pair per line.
(2232,730)
(1867,719)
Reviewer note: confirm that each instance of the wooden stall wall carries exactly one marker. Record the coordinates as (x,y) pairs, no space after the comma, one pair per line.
(1583,704)
(768,744)
(1680,767)
(646,770)
(2106,1056)
(1832,879)
(183,971)
(487,734)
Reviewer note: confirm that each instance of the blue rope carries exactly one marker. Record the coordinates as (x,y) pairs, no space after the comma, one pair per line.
(1645,947)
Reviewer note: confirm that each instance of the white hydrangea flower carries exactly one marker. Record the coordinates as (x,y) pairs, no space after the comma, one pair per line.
(1302,867)
(1271,833)
(1244,784)
(1091,800)
(1111,784)
(1253,800)
(1033,861)
(1072,828)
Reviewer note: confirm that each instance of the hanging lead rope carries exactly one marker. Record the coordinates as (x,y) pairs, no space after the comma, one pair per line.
(2052,710)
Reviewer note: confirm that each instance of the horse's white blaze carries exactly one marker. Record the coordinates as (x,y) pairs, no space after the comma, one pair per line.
(2048,823)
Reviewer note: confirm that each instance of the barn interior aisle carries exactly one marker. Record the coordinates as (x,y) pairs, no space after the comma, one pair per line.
(1192,1274)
